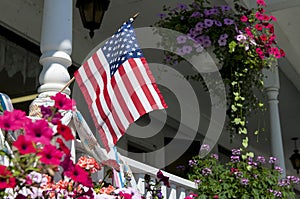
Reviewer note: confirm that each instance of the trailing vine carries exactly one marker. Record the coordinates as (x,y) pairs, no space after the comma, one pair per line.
(243,42)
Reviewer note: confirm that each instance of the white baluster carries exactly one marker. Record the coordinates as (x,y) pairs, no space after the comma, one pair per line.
(164,191)
(173,192)
(141,183)
(181,193)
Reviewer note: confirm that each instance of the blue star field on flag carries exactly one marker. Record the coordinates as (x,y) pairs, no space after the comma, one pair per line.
(121,46)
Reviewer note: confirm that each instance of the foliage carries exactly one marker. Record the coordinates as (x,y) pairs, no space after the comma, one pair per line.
(242,40)
(154,186)
(36,162)
(244,176)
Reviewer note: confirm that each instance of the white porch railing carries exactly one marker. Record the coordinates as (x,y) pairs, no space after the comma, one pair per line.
(179,187)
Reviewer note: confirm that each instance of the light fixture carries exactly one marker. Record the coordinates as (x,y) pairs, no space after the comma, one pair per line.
(295,158)
(91,13)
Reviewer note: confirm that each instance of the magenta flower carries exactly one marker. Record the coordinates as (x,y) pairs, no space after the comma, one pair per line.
(78,174)
(62,102)
(24,146)
(62,146)
(13,120)
(50,155)
(259,16)
(46,111)
(6,178)
(65,131)
(163,178)
(258,27)
(244,18)
(261,2)
(39,131)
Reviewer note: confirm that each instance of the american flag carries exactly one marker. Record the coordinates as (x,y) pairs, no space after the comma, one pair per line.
(118,85)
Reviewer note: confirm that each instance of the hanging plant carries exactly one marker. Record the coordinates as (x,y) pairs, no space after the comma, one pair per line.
(243,42)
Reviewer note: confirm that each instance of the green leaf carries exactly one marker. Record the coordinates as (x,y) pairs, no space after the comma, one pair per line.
(233,108)
(245,142)
(232,46)
(237,120)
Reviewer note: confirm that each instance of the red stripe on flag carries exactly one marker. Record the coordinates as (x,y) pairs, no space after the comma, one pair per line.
(145,63)
(88,99)
(135,99)
(142,82)
(108,101)
(121,100)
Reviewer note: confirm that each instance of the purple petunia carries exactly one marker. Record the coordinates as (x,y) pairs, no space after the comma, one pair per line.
(223,36)
(192,163)
(199,25)
(181,39)
(235,158)
(212,11)
(225,8)
(244,181)
(228,21)
(205,147)
(261,159)
(196,14)
(187,49)
(206,171)
(236,152)
(162,15)
(272,160)
(206,43)
(218,23)
(182,6)
(222,42)
(208,22)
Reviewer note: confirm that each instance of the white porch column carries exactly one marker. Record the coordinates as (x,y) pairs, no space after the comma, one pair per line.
(56,45)
(271,84)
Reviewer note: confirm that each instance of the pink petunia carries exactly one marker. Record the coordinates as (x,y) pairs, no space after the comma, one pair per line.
(24,145)
(65,131)
(39,131)
(6,178)
(259,16)
(261,2)
(12,120)
(62,102)
(62,146)
(244,18)
(248,32)
(263,37)
(273,18)
(265,18)
(50,155)
(78,174)
(282,53)
(258,27)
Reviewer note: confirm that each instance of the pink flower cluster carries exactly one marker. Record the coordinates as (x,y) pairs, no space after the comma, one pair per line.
(260,31)
(37,140)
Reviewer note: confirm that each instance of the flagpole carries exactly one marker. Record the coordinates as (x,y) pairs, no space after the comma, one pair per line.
(73,78)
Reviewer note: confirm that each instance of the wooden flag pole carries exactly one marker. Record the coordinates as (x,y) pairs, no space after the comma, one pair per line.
(67,84)
(73,78)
